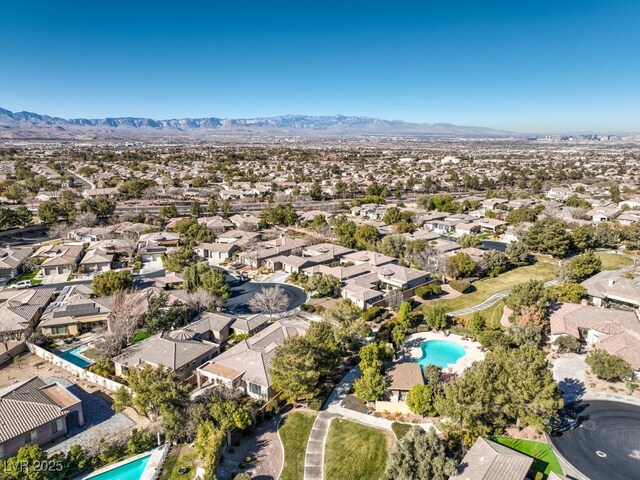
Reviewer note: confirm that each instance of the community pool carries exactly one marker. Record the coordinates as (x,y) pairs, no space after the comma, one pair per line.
(74,356)
(128,471)
(440,352)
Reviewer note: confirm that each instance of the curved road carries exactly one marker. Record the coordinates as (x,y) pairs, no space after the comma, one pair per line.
(607,445)
(240,296)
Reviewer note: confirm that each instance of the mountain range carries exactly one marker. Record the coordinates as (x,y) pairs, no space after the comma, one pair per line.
(27,125)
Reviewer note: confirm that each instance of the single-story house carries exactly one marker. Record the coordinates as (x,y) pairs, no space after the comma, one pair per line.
(488,460)
(12,261)
(58,259)
(74,312)
(250,325)
(19,314)
(96,261)
(245,366)
(213,326)
(610,287)
(34,412)
(179,351)
(217,251)
(401,377)
(152,246)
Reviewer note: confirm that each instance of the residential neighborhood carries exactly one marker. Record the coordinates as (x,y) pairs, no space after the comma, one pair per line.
(280,312)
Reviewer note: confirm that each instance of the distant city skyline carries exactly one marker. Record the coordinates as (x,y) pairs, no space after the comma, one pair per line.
(530,66)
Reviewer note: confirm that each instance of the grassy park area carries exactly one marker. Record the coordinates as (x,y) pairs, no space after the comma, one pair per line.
(294,433)
(483,289)
(355,451)
(545,460)
(493,314)
(613,261)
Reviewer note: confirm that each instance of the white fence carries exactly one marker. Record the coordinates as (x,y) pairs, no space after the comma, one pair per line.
(74,369)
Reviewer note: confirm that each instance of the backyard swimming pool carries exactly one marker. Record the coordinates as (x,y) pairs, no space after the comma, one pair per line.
(128,471)
(74,356)
(439,352)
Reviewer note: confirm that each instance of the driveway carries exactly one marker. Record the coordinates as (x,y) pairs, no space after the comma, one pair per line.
(55,278)
(607,445)
(570,373)
(150,267)
(263,446)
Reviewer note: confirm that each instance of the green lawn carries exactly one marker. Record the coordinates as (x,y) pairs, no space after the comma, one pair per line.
(612,261)
(545,460)
(400,429)
(493,314)
(27,276)
(355,451)
(487,287)
(294,433)
(180,456)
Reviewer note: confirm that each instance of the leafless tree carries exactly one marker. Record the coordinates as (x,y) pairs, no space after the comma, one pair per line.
(429,259)
(59,230)
(394,298)
(128,308)
(200,300)
(8,336)
(85,219)
(269,300)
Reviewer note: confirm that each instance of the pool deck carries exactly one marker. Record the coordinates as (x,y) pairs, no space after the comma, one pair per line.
(472,349)
(153,465)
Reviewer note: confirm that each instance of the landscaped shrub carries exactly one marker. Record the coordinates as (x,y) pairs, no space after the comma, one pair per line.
(567,344)
(427,291)
(608,367)
(305,307)
(460,285)
(373,314)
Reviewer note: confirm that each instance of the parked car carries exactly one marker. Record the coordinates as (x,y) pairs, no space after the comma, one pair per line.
(562,424)
(21,284)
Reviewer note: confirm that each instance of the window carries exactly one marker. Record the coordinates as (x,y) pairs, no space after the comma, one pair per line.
(31,436)
(1,451)
(255,389)
(57,426)
(58,330)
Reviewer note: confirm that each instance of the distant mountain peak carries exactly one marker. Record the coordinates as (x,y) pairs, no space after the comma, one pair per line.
(29,125)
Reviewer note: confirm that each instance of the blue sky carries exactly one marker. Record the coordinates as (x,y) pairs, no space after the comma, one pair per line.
(524,65)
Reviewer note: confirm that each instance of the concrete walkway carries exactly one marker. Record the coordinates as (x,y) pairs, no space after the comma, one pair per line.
(314,457)
(489,302)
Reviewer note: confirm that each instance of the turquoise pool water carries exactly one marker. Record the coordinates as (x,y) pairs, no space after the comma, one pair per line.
(128,471)
(439,352)
(74,357)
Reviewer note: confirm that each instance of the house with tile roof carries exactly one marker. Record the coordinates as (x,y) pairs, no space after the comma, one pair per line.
(58,259)
(611,287)
(613,330)
(180,351)
(12,261)
(488,460)
(74,312)
(35,412)
(19,314)
(245,366)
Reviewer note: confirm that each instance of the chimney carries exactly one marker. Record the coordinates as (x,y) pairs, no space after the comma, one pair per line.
(611,282)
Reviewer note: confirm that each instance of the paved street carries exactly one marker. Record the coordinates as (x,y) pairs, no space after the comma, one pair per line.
(607,445)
